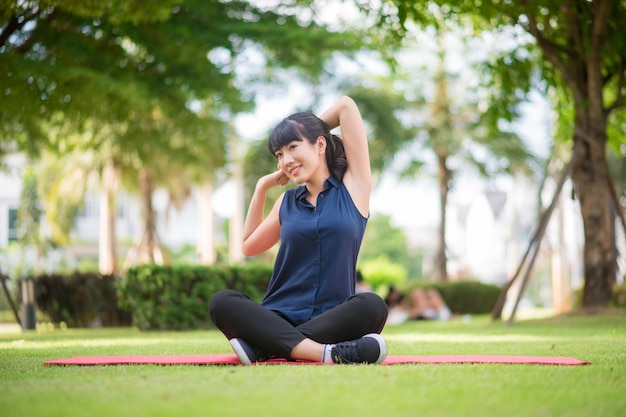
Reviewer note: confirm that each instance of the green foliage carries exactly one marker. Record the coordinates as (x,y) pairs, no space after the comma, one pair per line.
(381,271)
(63,180)
(382,238)
(29,219)
(135,85)
(619,295)
(468,297)
(140,70)
(87,264)
(30,211)
(578,49)
(176,297)
(78,299)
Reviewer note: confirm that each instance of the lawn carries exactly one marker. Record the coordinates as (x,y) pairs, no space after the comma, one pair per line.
(28,388)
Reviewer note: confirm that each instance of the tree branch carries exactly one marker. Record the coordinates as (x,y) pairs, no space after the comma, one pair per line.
(602,10)
(574,28)
(550,51)
(601,15)
(533,247)
(16,23)
(12,27)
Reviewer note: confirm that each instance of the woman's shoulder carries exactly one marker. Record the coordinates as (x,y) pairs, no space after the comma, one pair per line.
(291,195)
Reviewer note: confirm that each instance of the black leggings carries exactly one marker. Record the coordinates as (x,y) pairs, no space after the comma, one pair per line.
(236,315)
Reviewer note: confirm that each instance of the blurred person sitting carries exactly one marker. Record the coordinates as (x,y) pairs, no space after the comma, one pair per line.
(424,304)
(427,304)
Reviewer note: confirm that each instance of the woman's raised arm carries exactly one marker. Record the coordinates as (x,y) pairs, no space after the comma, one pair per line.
(358,178)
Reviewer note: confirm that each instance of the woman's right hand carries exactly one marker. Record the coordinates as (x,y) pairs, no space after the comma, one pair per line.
(275,179)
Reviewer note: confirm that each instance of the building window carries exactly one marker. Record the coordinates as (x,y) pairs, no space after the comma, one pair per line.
(13,226)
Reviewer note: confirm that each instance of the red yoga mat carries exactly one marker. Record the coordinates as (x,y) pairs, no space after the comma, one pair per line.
(231,359)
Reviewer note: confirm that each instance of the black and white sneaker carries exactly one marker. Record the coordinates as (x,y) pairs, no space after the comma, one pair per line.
(371,348)
(246,353)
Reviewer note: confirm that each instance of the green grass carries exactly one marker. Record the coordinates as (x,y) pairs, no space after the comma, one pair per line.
(29,388)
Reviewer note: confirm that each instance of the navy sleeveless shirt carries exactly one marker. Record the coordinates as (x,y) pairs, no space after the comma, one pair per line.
(315,268)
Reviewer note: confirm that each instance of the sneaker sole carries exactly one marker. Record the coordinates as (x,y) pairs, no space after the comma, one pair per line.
(382,344)
(240,351)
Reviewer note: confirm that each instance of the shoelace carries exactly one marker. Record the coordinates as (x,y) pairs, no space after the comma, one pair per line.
(346,352)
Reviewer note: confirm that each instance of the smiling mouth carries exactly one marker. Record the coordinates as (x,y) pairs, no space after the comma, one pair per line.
(294,171)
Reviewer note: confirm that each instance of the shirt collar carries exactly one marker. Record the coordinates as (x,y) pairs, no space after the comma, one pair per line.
(330,182)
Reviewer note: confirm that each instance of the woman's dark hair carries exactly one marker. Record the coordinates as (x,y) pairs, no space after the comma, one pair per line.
(307,126)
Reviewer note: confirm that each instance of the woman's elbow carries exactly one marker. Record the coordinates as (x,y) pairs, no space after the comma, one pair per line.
(248,250)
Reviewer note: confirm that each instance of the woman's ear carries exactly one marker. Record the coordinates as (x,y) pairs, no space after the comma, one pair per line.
(321,144)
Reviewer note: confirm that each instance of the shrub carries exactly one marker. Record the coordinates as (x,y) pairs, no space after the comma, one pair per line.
(381,272)
(176,297)
(78,299)
(468,297)
(619,295)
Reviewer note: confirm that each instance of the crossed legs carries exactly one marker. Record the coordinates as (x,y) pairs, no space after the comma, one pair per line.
(237,316)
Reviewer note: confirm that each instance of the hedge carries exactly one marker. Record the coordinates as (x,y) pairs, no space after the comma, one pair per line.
(467,297)
(153,297)
(150,297)
(176,297)
(78,299)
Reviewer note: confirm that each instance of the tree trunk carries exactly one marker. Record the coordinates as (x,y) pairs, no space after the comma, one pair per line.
(147,250)
(235,238)
(206,242)
(561,271)
(590,176)
(107,242)
(585,72)
(143,251)
(443,177)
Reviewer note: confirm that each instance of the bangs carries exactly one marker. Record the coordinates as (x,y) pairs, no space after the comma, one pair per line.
(286,132)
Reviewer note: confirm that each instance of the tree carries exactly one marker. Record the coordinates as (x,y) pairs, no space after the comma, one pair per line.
(583,52)
(29,218)
(76,69)
(118,62)
(451,128)
(157,79)
(454,127)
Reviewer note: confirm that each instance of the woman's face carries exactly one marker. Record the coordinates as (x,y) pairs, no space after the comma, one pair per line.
(300,159)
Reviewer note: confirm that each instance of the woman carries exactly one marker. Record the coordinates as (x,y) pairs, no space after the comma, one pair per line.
(310,311)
